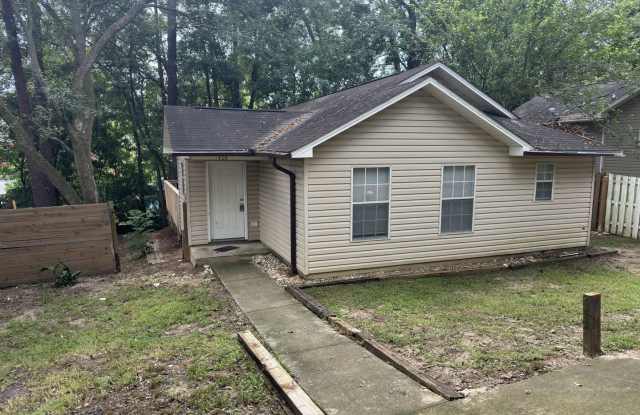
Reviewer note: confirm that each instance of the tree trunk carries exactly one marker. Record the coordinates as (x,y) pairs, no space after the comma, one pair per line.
(412,48)
(254,84)
(172,66)
(49,195)
(158,53)
(43,193)
(81,132)
(207,84)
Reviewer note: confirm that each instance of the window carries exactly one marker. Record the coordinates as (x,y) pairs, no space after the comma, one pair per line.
(458,190)
(370,203)
(544,181)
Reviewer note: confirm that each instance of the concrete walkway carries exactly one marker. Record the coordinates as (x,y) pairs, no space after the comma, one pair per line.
(339,375)
(604,386)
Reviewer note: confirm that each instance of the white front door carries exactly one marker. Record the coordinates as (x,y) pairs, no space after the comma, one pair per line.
(227,205)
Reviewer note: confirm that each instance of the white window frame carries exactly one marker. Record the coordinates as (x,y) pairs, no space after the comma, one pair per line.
(388,201)
(552,181)
(475,190)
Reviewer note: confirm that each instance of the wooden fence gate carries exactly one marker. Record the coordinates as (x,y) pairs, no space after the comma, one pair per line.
(622,215)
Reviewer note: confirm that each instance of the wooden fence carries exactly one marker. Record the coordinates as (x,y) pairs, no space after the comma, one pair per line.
(174,205)
(622,216)
(81,236)
(177,213)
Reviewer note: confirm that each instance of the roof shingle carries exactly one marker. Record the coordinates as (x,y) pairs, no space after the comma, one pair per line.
(230,131)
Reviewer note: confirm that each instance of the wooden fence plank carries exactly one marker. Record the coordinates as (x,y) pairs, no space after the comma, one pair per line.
(622,215)
(81,236)
(629,206)
(622,204)
(617,184)
(635,220)
(609,209)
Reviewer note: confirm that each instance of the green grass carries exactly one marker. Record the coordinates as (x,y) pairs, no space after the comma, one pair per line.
(80,349)
(493,323)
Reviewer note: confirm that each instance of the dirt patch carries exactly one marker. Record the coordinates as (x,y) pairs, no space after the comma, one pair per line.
(451,267)
(10,392)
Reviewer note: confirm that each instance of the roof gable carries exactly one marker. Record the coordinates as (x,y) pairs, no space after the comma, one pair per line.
(516,145)
(591,103)
(297,130)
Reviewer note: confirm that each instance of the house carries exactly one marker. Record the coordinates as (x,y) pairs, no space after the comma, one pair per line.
(607,112)
(416,167)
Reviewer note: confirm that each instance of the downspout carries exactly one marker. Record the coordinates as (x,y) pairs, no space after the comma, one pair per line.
(292,213)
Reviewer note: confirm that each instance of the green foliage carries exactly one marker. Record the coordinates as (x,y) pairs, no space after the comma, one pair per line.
(141,223)
(64,277)
(274,53)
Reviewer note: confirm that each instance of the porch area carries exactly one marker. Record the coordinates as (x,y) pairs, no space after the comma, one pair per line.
(233,206)
(221,252)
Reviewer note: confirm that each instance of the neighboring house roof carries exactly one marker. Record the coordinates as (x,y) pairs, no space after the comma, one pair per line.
(589,103)
(298,129)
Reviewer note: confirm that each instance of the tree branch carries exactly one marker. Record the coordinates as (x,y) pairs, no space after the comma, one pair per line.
(36,70)
(53,175)
(88,60)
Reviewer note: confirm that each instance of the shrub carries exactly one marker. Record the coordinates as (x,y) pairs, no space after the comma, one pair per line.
(64,277)
(141,223)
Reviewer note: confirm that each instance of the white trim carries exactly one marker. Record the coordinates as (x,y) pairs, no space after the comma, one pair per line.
(442,92)
(475,190)
(377,238)
(553,182)
(209,207)
(464,82)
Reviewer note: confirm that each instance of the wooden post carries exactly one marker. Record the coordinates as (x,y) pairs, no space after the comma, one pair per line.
(186,253)
(595,210)
(602,202)
(114,236)
(591,324)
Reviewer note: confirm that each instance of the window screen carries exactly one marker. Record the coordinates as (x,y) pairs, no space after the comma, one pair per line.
(544,181)
(458,190)
(370,203)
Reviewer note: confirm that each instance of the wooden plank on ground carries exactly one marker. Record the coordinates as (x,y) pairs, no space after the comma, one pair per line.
(295,396)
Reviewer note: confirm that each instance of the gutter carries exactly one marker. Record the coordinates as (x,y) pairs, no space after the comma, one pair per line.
(575,153)
(292,214)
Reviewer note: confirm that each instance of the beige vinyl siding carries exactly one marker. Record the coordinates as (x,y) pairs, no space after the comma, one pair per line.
(253,212)
(182,188)
(416,138)
(623,133)
(274,210)
(197,203)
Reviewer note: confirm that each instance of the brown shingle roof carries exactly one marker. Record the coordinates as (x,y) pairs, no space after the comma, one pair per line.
(549,108)
(220,131)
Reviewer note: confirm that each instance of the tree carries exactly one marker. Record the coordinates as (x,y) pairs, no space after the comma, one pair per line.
(43,174)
